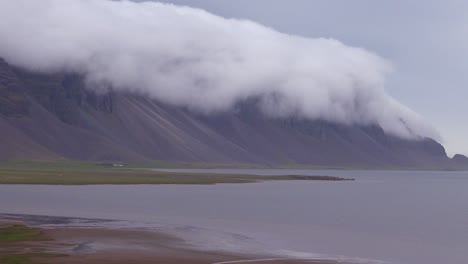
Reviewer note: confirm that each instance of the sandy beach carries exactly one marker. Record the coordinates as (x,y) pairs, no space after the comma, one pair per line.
(121,246)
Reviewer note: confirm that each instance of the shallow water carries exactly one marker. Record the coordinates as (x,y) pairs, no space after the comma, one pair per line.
(406,217)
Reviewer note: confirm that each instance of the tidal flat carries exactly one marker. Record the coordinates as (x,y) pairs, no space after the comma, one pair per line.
(112,246)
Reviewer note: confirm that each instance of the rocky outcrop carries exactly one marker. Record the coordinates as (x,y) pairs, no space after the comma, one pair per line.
(460,160)
(55,116)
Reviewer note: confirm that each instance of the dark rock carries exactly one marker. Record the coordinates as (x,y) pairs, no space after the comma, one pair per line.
(13,102)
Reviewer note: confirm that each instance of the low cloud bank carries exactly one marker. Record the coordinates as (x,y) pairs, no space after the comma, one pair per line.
(189,57)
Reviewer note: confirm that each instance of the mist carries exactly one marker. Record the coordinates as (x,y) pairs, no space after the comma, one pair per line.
(191,58)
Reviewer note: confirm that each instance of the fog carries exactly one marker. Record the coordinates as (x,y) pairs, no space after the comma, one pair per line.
(191,58)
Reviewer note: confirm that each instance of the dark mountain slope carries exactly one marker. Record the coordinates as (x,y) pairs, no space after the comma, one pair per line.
(54,116)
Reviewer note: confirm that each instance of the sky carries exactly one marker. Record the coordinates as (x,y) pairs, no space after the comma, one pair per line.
(426,42)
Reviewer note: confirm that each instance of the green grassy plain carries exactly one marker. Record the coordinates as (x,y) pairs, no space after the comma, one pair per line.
(16,233)
(82,173)
(27,258)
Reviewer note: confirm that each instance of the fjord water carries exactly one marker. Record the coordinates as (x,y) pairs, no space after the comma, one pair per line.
(408,217)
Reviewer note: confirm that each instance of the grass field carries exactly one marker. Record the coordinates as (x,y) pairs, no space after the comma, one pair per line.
(16,233)
(26,258)
(82,173)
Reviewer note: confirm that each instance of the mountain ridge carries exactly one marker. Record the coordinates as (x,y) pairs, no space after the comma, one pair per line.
(56,116)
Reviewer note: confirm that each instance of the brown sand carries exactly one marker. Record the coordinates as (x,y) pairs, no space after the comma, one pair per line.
(123,246)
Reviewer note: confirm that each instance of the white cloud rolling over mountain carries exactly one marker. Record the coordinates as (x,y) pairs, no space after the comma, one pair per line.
(189,57)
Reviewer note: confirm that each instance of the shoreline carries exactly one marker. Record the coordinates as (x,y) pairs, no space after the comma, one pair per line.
(62,174)
(210,165)
(75,245)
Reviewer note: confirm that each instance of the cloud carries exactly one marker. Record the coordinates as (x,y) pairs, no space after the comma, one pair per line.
(189,57)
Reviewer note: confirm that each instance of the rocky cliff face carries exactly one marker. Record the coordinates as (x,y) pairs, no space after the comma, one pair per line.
(12,99)
(54,116)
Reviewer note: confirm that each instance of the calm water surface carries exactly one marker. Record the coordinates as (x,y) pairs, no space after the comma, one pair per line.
(406,217)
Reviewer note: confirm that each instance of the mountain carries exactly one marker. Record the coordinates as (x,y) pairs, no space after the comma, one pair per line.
(460,160)
(47,117)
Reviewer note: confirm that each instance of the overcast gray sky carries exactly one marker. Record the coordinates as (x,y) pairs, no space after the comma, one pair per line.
(427,42)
